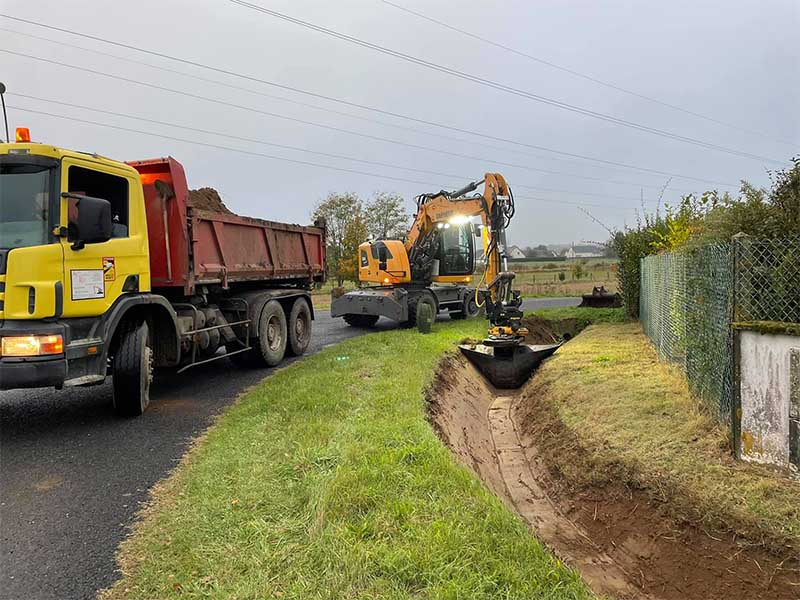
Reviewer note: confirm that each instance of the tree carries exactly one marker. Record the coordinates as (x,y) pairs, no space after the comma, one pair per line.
(355,233)
(387,216)
(345,229)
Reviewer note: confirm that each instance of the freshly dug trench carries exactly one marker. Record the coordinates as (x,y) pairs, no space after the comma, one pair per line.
(617,537)
(510,367)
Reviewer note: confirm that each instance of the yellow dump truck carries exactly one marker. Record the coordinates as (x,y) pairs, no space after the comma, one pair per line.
(107,268)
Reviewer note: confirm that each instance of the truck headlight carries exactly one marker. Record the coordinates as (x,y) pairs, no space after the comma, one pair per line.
(32,345)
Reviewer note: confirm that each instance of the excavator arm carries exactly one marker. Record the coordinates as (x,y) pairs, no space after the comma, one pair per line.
(495,207)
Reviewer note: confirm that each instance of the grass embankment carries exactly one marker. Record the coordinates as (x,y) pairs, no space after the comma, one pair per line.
(326,481)
(636,422)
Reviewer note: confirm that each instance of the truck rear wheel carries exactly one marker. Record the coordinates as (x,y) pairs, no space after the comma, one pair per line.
(272,335)
(299,327)
(361,320)
(132,370)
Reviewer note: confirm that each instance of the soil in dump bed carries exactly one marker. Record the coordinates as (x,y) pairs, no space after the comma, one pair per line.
(208,199)
(651,555)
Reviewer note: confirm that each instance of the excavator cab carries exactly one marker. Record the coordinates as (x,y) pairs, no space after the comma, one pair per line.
(455,254)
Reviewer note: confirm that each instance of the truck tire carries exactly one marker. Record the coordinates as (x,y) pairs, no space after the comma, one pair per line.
(272,335)
(424,297)
(299,327)
(132,370)
(361,320)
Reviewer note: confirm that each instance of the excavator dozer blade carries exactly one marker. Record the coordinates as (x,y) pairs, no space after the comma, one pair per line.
(507,367)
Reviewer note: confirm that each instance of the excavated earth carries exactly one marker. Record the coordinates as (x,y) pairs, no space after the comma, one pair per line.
(208,199)
(617,537)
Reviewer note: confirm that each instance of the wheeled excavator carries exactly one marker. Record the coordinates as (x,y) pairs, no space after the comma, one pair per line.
(435,264)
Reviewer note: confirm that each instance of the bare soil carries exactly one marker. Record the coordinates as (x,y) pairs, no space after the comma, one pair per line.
(207,198)
(617,537)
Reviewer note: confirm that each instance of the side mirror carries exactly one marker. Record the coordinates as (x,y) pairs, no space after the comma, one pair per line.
(89,220)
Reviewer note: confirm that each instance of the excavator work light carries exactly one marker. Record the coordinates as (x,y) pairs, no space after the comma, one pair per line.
(459,220)
(32,345)
(23,134)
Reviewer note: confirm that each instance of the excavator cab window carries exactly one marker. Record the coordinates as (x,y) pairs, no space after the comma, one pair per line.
(380,253)
(456,250)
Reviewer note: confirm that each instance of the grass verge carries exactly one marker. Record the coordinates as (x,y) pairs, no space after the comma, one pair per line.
(636,422)
(326,481)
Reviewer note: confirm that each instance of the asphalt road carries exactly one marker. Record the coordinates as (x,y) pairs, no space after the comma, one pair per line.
(72,475)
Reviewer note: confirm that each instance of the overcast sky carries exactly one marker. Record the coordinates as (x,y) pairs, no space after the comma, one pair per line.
(737,62)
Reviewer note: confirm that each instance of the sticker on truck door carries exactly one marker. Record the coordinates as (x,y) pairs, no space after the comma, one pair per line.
(87,284)
(109,268)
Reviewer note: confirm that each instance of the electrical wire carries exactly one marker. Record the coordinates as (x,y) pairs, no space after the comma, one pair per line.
(233,136)
(585,76)
(500,86)
(482,135)
(280,158)
(314,123)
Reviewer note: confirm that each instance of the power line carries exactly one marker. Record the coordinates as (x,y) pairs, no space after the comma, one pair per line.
(265,95)
(315,124)
(280,158)
(585,76)
(351,104)
(287,147)
(500,86)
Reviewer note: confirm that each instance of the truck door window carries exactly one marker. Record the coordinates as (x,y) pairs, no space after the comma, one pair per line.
(86,182)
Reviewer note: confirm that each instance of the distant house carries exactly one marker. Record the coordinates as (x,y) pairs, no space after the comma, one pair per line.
(515,252)
(585,251)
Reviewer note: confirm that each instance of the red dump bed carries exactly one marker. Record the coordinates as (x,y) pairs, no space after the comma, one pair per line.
(190,247)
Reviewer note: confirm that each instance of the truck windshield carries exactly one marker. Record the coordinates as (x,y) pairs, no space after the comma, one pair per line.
(24,198)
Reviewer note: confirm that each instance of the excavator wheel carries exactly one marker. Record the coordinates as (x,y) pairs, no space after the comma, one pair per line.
(424,297)
(361,320)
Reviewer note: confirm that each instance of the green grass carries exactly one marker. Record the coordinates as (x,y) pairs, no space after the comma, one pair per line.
(326,481)
(583,315)
(638,424)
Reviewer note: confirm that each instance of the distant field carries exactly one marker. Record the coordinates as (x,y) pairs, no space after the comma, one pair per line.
(534,279)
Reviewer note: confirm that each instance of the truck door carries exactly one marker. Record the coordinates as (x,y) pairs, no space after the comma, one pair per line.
(97,274)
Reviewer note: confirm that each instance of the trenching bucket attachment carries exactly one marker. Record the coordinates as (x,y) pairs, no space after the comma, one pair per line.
(601,298)
(507,367)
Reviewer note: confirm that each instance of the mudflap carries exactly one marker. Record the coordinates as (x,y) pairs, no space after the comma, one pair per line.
(391,303)
(507,367)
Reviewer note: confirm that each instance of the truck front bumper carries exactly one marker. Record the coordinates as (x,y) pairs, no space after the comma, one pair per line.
(34,371)
(31,373)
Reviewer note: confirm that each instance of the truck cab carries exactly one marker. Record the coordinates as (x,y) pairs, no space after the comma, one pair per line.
(107,268)
(73,239)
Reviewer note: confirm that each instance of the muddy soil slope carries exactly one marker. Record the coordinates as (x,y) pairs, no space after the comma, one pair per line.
(617,537)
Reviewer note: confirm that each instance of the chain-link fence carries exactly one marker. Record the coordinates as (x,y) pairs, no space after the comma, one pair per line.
(689,301)
(685,309)
(767,279)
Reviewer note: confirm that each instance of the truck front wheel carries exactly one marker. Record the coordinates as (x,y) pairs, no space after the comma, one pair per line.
(299,327)
(132,370)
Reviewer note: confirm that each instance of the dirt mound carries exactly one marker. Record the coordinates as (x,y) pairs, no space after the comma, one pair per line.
(618,537)
(208,199)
